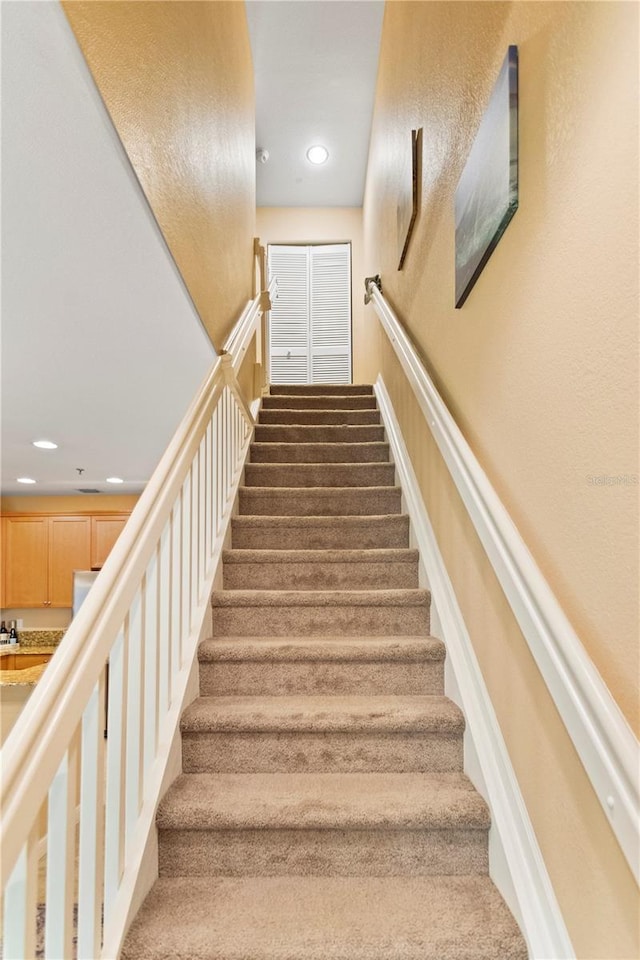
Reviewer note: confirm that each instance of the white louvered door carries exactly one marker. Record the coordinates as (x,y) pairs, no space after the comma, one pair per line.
(310,327)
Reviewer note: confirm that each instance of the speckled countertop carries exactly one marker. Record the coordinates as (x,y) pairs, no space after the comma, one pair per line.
(47,644)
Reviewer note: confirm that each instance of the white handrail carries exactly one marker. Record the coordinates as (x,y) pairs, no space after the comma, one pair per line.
(605,742)
(143,615)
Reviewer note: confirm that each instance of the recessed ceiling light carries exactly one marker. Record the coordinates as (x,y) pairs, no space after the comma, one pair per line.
(25,480)
(45,444)
(317,154)
(114,480)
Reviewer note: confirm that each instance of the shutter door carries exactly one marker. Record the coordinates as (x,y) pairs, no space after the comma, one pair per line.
(310,321)
(289,321)
(330,273)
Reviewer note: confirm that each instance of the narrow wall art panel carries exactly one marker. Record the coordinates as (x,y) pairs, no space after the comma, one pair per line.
(487,192)
(409,198)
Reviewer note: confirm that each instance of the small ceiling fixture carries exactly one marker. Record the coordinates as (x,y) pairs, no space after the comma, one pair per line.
(45,444)
(317,154)
(25,480)
(114,480)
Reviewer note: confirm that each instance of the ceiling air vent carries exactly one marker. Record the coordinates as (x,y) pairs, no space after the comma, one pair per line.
(87,490)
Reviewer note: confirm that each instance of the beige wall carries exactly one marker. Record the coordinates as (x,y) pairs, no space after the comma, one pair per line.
(177,79)
(324,225)
(540,368)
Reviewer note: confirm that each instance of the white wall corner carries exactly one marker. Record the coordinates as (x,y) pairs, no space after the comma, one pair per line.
(515,861)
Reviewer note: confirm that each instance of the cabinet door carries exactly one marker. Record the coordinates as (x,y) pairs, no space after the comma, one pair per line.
(26,542)
(69,550)
(104,533)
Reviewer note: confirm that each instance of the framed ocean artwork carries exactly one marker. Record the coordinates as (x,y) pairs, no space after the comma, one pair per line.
(487,192)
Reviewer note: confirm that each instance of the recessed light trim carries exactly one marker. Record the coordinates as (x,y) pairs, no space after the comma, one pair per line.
(317,154)
(26,480)
(45,444)
(115,480)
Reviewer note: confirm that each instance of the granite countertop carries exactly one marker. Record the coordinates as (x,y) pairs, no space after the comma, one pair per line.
(30,675)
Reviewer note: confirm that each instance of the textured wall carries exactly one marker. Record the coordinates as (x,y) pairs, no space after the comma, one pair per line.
(539,368)
(178,82)
(325,225)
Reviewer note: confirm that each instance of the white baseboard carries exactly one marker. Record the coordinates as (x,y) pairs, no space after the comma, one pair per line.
(515,860)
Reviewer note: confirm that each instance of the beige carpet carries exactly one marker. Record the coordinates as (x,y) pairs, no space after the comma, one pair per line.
(322,813)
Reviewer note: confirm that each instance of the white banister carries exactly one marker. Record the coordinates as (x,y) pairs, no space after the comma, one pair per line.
(125,661)
(606,744)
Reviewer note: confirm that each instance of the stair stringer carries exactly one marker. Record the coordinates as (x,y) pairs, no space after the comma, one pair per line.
(516,865)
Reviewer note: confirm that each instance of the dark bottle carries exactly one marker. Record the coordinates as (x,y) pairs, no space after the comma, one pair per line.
(13,633)
(4,636)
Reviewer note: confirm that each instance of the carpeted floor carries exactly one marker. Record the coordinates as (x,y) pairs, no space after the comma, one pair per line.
(322,813)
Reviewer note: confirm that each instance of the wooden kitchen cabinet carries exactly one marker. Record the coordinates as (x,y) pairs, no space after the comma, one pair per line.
(23,661)
(26,561)
(41,554)
(104,533)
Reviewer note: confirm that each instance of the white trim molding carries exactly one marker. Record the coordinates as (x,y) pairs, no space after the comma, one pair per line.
(516,864)
(604,741)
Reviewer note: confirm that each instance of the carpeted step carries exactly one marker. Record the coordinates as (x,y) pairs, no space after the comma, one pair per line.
(322,824)
(319,403)
(319,501)
(319,475)
(318,417)
(320,452)
(324,918)
(317,533)
(335,666)
(264,613)
(270,433)
(319,569)
(320,389)
(316,734)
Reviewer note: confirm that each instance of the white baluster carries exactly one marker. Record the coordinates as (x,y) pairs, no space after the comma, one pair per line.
(19,907)
(114,812)
(185,622)
(91,855)
(176,586)
(164,621)
(151,645)
(61,837)
(135,713)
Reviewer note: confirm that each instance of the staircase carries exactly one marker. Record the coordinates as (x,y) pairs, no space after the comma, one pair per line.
(323,813)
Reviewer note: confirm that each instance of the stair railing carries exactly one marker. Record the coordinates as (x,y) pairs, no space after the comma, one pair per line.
(93,797)
(605,742)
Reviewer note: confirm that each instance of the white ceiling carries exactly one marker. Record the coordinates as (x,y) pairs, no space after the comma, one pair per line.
(315,64)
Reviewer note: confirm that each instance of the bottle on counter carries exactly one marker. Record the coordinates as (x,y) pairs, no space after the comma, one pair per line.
(13,633)
(4,633)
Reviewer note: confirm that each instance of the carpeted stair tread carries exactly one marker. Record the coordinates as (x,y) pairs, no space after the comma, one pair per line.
(319,501)
(395,714)
(374,452)
(354,402)
(331,801)
(274,433)
(310,475)
(288,415)
(320,598)
(383,555)
(324,918)
(319,569)
(320,389)
(322,649)
(320,532)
